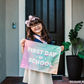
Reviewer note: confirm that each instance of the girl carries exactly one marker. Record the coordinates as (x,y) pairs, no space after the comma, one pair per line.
(37,32)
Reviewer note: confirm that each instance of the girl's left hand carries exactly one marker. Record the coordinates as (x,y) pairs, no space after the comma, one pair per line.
(62,48)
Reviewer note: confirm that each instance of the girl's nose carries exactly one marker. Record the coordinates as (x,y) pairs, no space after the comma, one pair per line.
(36,25)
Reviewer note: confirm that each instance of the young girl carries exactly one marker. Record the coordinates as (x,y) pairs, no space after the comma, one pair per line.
(35,30)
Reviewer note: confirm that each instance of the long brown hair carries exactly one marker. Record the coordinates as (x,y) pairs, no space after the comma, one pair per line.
(44,33)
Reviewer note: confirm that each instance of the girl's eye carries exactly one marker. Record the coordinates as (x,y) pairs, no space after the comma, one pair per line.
(32,26)
(35,25)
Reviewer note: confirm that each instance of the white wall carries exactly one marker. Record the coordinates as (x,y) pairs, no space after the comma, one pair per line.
(15,12)
(68,26)
(12,38)
(21,31)
(2,41)
(78,15)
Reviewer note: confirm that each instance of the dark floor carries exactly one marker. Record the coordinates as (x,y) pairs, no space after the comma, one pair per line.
(18,80)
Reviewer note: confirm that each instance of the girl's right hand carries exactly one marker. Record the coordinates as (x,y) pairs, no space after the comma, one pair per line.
(22,42)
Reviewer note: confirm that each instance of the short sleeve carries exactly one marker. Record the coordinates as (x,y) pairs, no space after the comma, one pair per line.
(28,39)
(51,40)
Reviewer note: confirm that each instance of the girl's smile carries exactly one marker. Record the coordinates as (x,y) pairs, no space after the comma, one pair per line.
(37,28)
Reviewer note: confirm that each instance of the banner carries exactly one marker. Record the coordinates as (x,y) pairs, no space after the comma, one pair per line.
(41,57)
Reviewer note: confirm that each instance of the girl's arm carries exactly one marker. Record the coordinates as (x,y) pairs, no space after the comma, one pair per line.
(22,42)
(22,49)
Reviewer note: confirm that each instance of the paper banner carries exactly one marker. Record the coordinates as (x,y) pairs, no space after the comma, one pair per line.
(41,57)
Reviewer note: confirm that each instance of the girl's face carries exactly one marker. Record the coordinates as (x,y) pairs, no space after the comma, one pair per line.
(37,28)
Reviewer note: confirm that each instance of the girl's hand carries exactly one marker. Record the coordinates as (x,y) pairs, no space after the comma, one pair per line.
(22,42)
(62,48)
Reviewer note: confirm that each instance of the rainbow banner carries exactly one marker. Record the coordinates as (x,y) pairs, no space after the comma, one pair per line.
(41,57)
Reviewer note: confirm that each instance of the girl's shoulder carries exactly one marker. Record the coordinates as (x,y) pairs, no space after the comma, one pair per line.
(36,40)
(28,39)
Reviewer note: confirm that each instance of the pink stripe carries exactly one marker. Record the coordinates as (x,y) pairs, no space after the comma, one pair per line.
(40,39)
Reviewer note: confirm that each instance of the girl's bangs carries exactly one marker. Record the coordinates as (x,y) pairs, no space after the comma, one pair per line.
(34,22)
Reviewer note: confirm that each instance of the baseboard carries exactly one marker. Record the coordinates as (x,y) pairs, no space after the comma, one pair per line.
(57,77)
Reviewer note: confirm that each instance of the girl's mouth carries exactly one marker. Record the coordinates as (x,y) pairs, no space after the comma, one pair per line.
(37,29)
